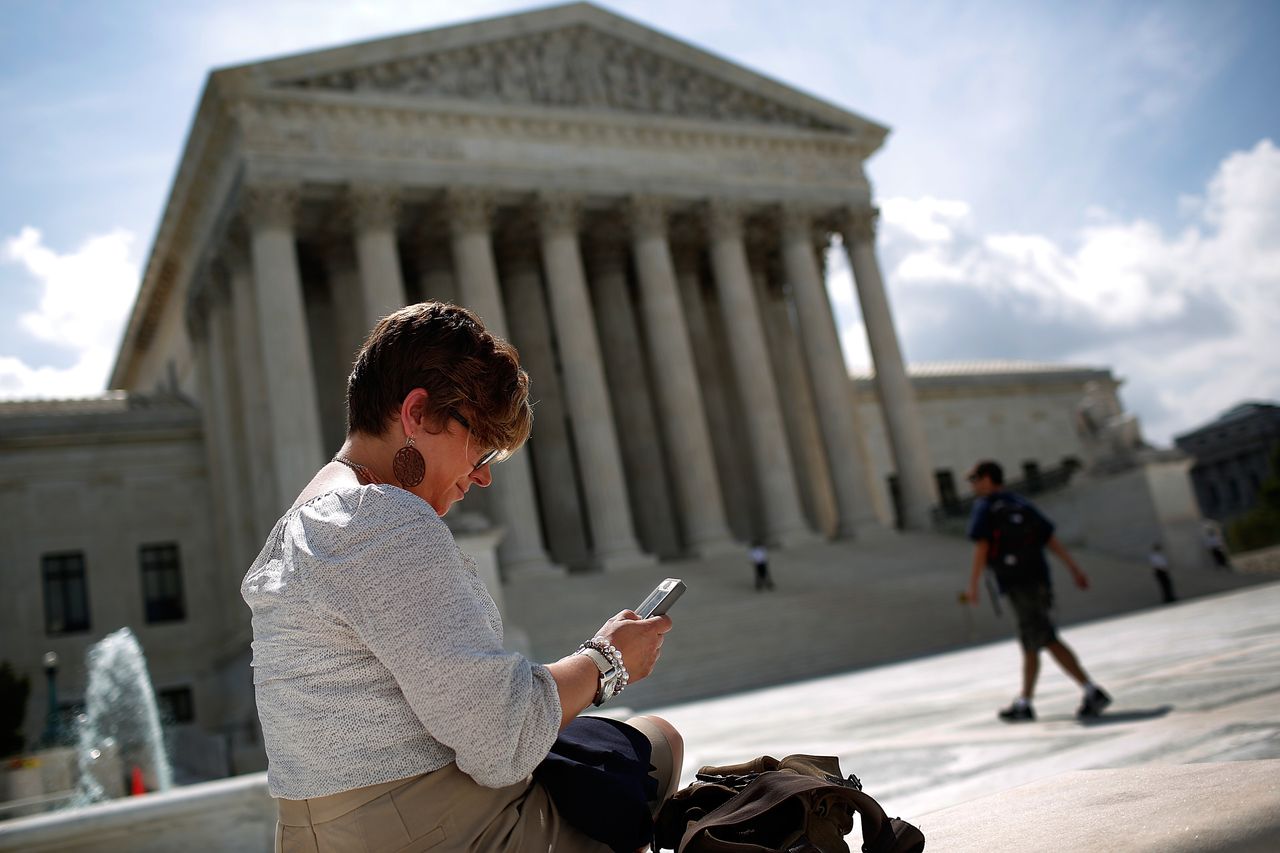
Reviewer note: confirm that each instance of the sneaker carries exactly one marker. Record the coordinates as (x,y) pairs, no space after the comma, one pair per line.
(1018,712)
(1093,703)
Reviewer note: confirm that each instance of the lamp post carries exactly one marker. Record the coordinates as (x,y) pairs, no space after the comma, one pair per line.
(51,726)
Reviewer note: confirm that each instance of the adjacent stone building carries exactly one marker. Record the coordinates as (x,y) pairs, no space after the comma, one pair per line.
(106,513)
(1232,458)
(1035,419)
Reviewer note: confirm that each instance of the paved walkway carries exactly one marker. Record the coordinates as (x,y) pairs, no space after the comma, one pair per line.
(838,607)
(1193,682)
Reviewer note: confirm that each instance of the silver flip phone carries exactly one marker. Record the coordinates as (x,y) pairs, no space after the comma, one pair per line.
(660,600)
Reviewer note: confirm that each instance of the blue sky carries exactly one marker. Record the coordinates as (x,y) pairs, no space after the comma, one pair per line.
(1088,182)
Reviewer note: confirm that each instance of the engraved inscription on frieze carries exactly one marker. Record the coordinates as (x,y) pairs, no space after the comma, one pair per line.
(577,67)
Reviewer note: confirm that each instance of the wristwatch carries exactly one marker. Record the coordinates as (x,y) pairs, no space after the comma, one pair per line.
(613,674)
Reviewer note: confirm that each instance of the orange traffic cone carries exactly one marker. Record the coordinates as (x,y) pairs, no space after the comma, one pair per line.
(135,782)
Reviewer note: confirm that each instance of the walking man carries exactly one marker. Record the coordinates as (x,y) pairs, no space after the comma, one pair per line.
(1010,536)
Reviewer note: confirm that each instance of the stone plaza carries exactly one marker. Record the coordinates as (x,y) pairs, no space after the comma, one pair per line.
(1185,760)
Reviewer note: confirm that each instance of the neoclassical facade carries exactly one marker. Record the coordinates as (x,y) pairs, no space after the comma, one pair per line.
(645,221)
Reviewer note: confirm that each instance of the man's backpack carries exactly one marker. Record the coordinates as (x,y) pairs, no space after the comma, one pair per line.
(1018,537)
(801,804)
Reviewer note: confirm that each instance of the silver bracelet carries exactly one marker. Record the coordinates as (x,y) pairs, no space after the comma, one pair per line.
(613,674)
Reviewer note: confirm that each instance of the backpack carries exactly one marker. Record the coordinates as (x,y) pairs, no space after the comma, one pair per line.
(1018,537)
(800,804)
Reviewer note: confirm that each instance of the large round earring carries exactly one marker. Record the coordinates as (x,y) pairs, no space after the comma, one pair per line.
(408,465)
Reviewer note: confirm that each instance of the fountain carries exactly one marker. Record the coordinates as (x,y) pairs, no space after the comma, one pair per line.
(120,723)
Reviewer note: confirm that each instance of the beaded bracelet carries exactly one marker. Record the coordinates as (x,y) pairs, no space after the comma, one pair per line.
(609,687)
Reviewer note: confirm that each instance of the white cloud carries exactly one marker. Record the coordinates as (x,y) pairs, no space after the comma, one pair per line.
(84,302)
(1187,319)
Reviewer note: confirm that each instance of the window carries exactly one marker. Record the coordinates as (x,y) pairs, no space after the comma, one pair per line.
(162,583)
(175,705)
(66,595)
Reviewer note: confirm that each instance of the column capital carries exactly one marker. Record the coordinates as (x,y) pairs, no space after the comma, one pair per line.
(270,205)
(558,212)
(797,219)
(373,206)
(470,209)
(647,216)
(724,218)
(859,225)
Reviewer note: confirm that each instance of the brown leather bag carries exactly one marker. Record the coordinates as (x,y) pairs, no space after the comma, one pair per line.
(801,804)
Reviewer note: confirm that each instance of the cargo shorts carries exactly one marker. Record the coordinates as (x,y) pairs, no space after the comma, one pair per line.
(1031,605)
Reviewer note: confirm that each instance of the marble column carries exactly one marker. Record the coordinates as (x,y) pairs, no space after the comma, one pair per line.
(798,410)
(680,405)
(833,390)
(897,397)
(262,504)
(555,474)
(324,326)
(297,450)
(207,325)
(775,471)
(512,494)
(350,316)
(628,381)
(732,465)
(373,212)
(586,392)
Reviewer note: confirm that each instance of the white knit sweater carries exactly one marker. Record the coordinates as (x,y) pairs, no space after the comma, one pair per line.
(377,652)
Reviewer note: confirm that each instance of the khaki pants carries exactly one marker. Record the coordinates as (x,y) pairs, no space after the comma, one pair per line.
(447,812)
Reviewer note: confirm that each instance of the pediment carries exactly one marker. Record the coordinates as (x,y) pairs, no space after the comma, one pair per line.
(570,57)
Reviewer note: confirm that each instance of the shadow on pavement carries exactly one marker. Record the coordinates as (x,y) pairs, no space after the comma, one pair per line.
(1133,716)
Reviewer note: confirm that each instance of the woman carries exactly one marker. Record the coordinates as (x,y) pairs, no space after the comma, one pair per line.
(392,717)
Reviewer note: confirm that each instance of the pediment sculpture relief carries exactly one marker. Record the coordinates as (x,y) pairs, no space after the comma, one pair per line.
(577,67)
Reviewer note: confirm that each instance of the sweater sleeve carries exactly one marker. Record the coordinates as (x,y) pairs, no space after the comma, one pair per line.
(402,585)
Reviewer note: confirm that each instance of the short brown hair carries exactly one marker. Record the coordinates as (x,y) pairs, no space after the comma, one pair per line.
(464,368)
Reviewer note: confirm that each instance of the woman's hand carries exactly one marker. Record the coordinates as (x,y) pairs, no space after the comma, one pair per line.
(639,640)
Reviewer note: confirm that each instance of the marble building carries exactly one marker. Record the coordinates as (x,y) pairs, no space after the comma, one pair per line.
(647,222)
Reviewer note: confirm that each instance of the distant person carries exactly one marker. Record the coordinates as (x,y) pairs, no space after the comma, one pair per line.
(1160,565)
(1213,544)
(760,560)
(1010,536)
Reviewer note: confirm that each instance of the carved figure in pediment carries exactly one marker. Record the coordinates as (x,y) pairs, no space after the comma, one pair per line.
(572,67)
(514,73)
